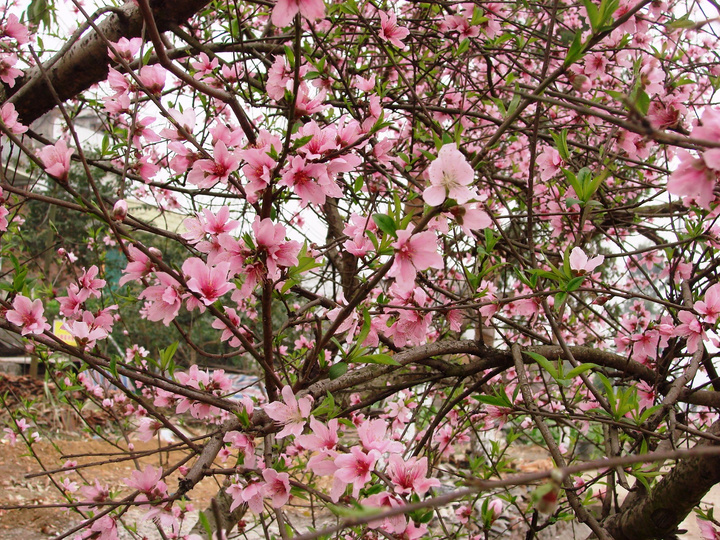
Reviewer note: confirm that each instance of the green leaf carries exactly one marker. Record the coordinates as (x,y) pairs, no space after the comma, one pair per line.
(515,101)
(365,330)
(584,178)
(647,413)
(358,511)
(244,418)
(681,23)
(593,14)
(377,359)
(113,366)
(166,355)
(574,283)
(338,370)
(206,523)
(575,51)
(561,144)
(594,184)
(544,363)
(464,46)
(302,141)
(607,9)
(573,181)
(499,400)
(386,224)
(642,102)
(327,407)
(40,11)
(582,368)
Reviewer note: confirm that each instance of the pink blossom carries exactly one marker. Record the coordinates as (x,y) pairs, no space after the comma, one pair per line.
(364,85)
(549,162)
(496,416)
(219,223)
(270,238)
(306,105)
(125,48)
(183,119)
(8,73)
(414,253)
(215,383)
(309,181)
(581,264)
(280,78)
(373,436)
(56,159)
(285,10)
(242,442)
(462,25)
(646,395)
(209,282)
(89,283)
(120,210)
(390,31)
(153,78)
(204,66)
(707,530)
(691,329)
(410,476)
(411,327)
(117,81)
(277,487)
(356,468)
(28,315)
(105,528)
(449,175)
(470,217)
(595,64)
(252,494)
(95,494)
(645,345)
(16,30)
(258,169)
(138,267)
(495,509)
(695,178)
(149,482)
(464,513)
(140,130)
(385,500)
(205,173)
(148,428)
(292,413)
(85,334)
(71,304)
(322,437)
(710,306)
(10,119)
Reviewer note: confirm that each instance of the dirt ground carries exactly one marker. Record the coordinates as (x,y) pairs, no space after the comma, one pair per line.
(44,523)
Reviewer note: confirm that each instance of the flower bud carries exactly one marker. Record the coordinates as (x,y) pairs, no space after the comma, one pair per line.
(120,210)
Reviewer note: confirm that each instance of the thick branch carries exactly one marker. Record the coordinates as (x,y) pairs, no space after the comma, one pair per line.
(658,514)
(86,63)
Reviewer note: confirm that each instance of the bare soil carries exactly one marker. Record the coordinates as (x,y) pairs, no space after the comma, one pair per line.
(41,523)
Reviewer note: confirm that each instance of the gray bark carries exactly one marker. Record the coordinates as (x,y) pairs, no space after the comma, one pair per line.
(87,61)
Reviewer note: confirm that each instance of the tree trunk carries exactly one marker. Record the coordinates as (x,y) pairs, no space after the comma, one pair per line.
(658,513)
